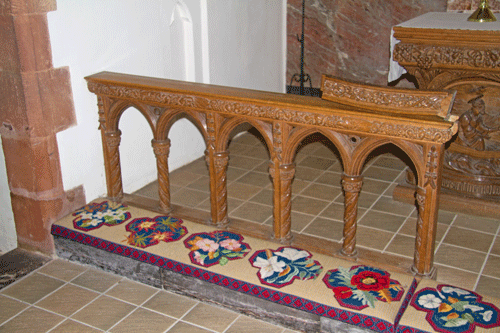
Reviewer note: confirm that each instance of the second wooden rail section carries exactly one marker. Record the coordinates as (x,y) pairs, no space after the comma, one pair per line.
(356,118)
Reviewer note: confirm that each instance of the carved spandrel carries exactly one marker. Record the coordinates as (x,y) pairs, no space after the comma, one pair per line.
(427,56)
(353,123)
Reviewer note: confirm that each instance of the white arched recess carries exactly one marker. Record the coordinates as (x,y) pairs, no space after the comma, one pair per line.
(135,37)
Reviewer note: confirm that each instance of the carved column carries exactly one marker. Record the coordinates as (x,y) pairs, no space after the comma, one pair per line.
(282,176)
(162,149)
(112,165)
(427,197)
(352,186)
(217,166)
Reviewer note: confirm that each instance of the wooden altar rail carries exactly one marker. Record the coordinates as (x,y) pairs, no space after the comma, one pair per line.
(357,119)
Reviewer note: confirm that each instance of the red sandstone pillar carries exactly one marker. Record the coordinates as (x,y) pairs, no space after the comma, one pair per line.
(37,103)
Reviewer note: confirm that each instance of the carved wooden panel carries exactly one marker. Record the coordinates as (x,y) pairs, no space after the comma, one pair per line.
(468,62)
(358,122)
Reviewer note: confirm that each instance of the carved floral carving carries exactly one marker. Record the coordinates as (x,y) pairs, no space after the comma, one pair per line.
(427,56)
(353,123)
(378,97)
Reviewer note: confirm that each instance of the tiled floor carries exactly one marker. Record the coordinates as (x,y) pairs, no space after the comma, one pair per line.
(67,297)
(467,248)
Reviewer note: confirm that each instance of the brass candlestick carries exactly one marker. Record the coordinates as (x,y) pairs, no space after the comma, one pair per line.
(482,13)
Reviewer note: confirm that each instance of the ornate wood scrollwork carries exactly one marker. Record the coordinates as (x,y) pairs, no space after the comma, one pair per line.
(380,120)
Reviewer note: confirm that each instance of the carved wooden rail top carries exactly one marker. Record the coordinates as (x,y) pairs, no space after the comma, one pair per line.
(356,118)
(429,122)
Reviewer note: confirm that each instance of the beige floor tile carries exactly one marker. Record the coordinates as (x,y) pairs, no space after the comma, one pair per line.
(255,179)
(143,320)
(325,228)
(386,204)
(372,238)
(132,292)
(201,184)
(259,152)
(375,186)
(67,300)
(198,167)
(96,280)
(265,197)
(253,212)
(409,228)
(188,197)
(378,173)
(233,174)
(444,217)
(298,185)
(402,245)
(62,269)
(365,200)
(33,320)
(330,178)
(496,246)
(492,267)
(32,288)
(382,221)
(460,257)
(150,190)
(181,177)
(71,326)
(263,167)
(456,277)
(477,223)
(306,205)
(250,325)
(211,317)
(390,163)
(323,192)
(309,174)
(469,239)
(242,191)
(232,204)
(316,162)
(488,286)
(170,304)
(336,211)
(10,308)
(103,312)
(247,138)
(243,162)
(181,327)
(299,221)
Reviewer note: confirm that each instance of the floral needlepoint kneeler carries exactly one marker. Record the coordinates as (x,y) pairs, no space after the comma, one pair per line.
(444,308)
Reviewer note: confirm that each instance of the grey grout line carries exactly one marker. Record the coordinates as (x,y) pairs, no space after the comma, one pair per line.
(231,324)
(444,235)
(486,259)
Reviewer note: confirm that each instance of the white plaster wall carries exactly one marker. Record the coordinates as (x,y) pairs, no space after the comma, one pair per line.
(241,42)
(125,36)
(8,239)
(247,41)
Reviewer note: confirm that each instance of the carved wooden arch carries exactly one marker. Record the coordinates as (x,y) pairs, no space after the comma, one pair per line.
(367,146)
(447,79)
(118,108)
(229,125)
(167,120)
(300,134)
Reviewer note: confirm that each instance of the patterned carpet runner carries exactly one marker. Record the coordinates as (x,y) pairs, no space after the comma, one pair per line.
(361,295)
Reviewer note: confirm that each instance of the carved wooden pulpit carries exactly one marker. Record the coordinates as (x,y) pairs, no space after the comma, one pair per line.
(445,51)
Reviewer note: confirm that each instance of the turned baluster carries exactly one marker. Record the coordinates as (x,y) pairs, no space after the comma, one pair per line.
(112,165)
(352,186)
(217,165)
(282,200)
(161,149)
